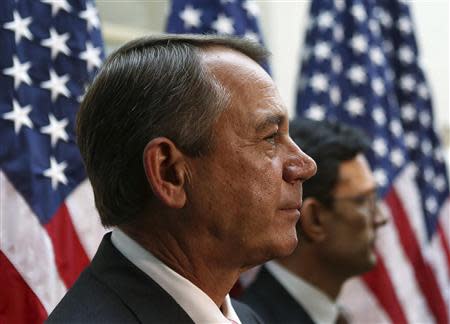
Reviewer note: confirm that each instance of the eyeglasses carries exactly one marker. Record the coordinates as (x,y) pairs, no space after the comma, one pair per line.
(365,203)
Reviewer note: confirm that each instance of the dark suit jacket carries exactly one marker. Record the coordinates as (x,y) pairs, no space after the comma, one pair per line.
(113,290)
(267,297)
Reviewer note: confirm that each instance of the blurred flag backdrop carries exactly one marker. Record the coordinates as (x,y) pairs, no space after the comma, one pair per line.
(224,17)
(48,224)
(361,65)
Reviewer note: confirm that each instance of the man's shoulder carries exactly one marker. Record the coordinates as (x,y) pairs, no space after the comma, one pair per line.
(245,313)
(112,289)
(90,301)
(273,304)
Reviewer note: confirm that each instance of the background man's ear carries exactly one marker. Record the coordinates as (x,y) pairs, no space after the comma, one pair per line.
(312,220)
(165,169)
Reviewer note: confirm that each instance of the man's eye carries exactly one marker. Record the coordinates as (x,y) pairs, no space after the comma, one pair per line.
(271,138)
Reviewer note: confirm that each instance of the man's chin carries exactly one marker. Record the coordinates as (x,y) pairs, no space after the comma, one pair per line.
(275,251)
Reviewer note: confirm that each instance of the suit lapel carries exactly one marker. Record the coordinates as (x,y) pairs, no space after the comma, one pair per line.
(143,296)
(288,309)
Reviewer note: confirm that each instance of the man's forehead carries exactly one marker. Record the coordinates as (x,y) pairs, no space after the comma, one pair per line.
(355,176)
(230,66)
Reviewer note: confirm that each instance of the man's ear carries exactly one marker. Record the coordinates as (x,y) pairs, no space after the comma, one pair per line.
(165,169)
(312,220)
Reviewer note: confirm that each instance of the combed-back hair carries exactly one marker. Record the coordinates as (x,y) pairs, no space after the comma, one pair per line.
(150,87)
(329,144)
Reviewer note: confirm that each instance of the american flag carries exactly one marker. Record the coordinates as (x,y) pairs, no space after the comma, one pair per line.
(361,65)
(224,17)
(49,227)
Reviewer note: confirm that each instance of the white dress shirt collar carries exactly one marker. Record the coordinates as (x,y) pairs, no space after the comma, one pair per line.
(199,306)
(319,306)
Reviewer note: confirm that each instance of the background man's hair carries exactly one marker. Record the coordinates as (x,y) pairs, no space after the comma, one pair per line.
(150,87)
(329,144)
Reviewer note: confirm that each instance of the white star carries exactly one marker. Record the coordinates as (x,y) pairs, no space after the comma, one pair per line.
(380,177)
(431,205)
(19,26)
(359,12)
(411,140)
(359,44)
(426,147)
(425,118)
(56,172)
(355,106)
(335,95)
(404,25)
(91,16)
(19,72)
(322,51)
(407,83)
(406,54)
(338,33)
(378,86)
(379,146)
(396,127)
(92,56)
(336,64)
(339,4)
(251,35)
(376,55)
(56,129)
(223,25)
(251,7)
(428,174)
(58,5)
(423,91)
(56,85)
(440,183)
(379,116)
(397,158)
(325,20)
(387,46)
(57,43)
(190,17)
(438,155)
(19,115)
(386,19)
(374,27)
(315,112)
(408,112)
(357,74)
(319,82)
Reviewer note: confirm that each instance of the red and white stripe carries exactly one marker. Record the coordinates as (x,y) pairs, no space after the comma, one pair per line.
(39,262)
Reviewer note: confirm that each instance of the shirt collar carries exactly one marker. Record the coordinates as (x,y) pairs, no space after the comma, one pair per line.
(198,305)
(318,305)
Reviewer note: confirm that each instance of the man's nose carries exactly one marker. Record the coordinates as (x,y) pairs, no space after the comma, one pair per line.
(299,166)
(380,217)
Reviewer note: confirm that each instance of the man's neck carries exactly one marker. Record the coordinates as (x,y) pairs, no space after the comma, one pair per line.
(309,269)
(192,258)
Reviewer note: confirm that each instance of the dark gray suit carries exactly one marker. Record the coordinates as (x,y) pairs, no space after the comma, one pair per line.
(272,302)
(113,290)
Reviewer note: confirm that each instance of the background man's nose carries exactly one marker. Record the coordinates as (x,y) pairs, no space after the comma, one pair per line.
(380,217)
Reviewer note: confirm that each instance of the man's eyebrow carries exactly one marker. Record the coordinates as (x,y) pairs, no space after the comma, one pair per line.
(269,120)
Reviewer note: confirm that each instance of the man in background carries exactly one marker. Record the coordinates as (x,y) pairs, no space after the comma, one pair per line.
(186,143)
(337,230)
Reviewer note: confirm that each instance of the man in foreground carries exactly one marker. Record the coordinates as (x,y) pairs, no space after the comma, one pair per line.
(186,143)
(337,228)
